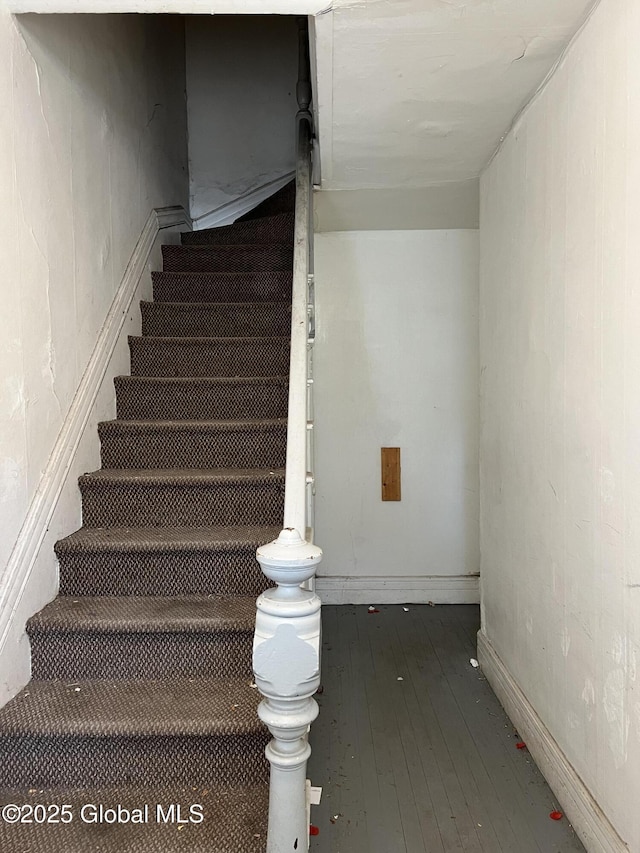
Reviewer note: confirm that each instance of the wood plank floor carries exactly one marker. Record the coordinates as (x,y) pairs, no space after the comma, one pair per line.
(412,749)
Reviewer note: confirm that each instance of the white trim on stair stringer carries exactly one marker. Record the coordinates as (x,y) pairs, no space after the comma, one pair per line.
(429,589)
(228,212)
(589,821)
(56,471)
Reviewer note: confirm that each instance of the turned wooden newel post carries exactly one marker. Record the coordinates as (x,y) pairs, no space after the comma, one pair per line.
(303,86)
(286,665)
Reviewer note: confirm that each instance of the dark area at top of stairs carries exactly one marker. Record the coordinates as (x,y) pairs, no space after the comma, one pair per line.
(142,687)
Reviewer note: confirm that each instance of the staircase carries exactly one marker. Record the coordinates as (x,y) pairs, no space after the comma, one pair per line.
(142,690)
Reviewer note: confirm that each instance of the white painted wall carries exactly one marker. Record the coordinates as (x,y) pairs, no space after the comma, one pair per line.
(560,411)
(95,137)
(449,206)
(241,82)
(396,362)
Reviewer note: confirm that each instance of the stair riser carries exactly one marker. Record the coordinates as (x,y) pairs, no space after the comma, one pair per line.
(80,761)
(154,357)
(187,573)
(131,505)
(265,287)
(85,655)
(278,229)
(174,449)
(227,258)
(185,401)
(225,321)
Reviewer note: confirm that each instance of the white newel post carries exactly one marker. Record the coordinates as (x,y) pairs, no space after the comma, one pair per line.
(286,664)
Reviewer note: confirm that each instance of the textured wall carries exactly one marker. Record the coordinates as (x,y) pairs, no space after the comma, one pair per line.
(560,408)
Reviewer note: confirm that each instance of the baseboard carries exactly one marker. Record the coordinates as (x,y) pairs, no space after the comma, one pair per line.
(442,589)
(54,477)
(589,821)
(232,210)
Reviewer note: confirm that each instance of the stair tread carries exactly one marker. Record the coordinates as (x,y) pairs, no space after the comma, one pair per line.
(276,379)
(183,476)
(164,539)
(203,425)
(231,275)
(138,614)
(230,247)
(208,306)
(209,339)
(235,819)
(133,707)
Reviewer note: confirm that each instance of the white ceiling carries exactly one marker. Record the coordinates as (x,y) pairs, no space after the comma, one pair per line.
(409,92)
(417,92)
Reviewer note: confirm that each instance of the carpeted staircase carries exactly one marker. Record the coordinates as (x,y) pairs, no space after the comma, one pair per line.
(142,689)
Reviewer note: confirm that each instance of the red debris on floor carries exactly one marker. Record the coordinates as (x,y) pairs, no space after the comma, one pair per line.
(556,815)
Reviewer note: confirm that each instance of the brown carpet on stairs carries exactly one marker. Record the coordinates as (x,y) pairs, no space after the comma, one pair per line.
(142,693)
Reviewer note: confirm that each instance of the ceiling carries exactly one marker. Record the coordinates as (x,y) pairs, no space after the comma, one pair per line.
(409,93)
(419,92)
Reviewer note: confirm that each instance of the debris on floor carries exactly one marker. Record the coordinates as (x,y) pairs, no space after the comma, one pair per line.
(373,609)
(474,663)
(556,815)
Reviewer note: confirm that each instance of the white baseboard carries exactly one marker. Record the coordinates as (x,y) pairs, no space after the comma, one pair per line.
(42,507)
(458,589)
(589,821)
(232,210)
